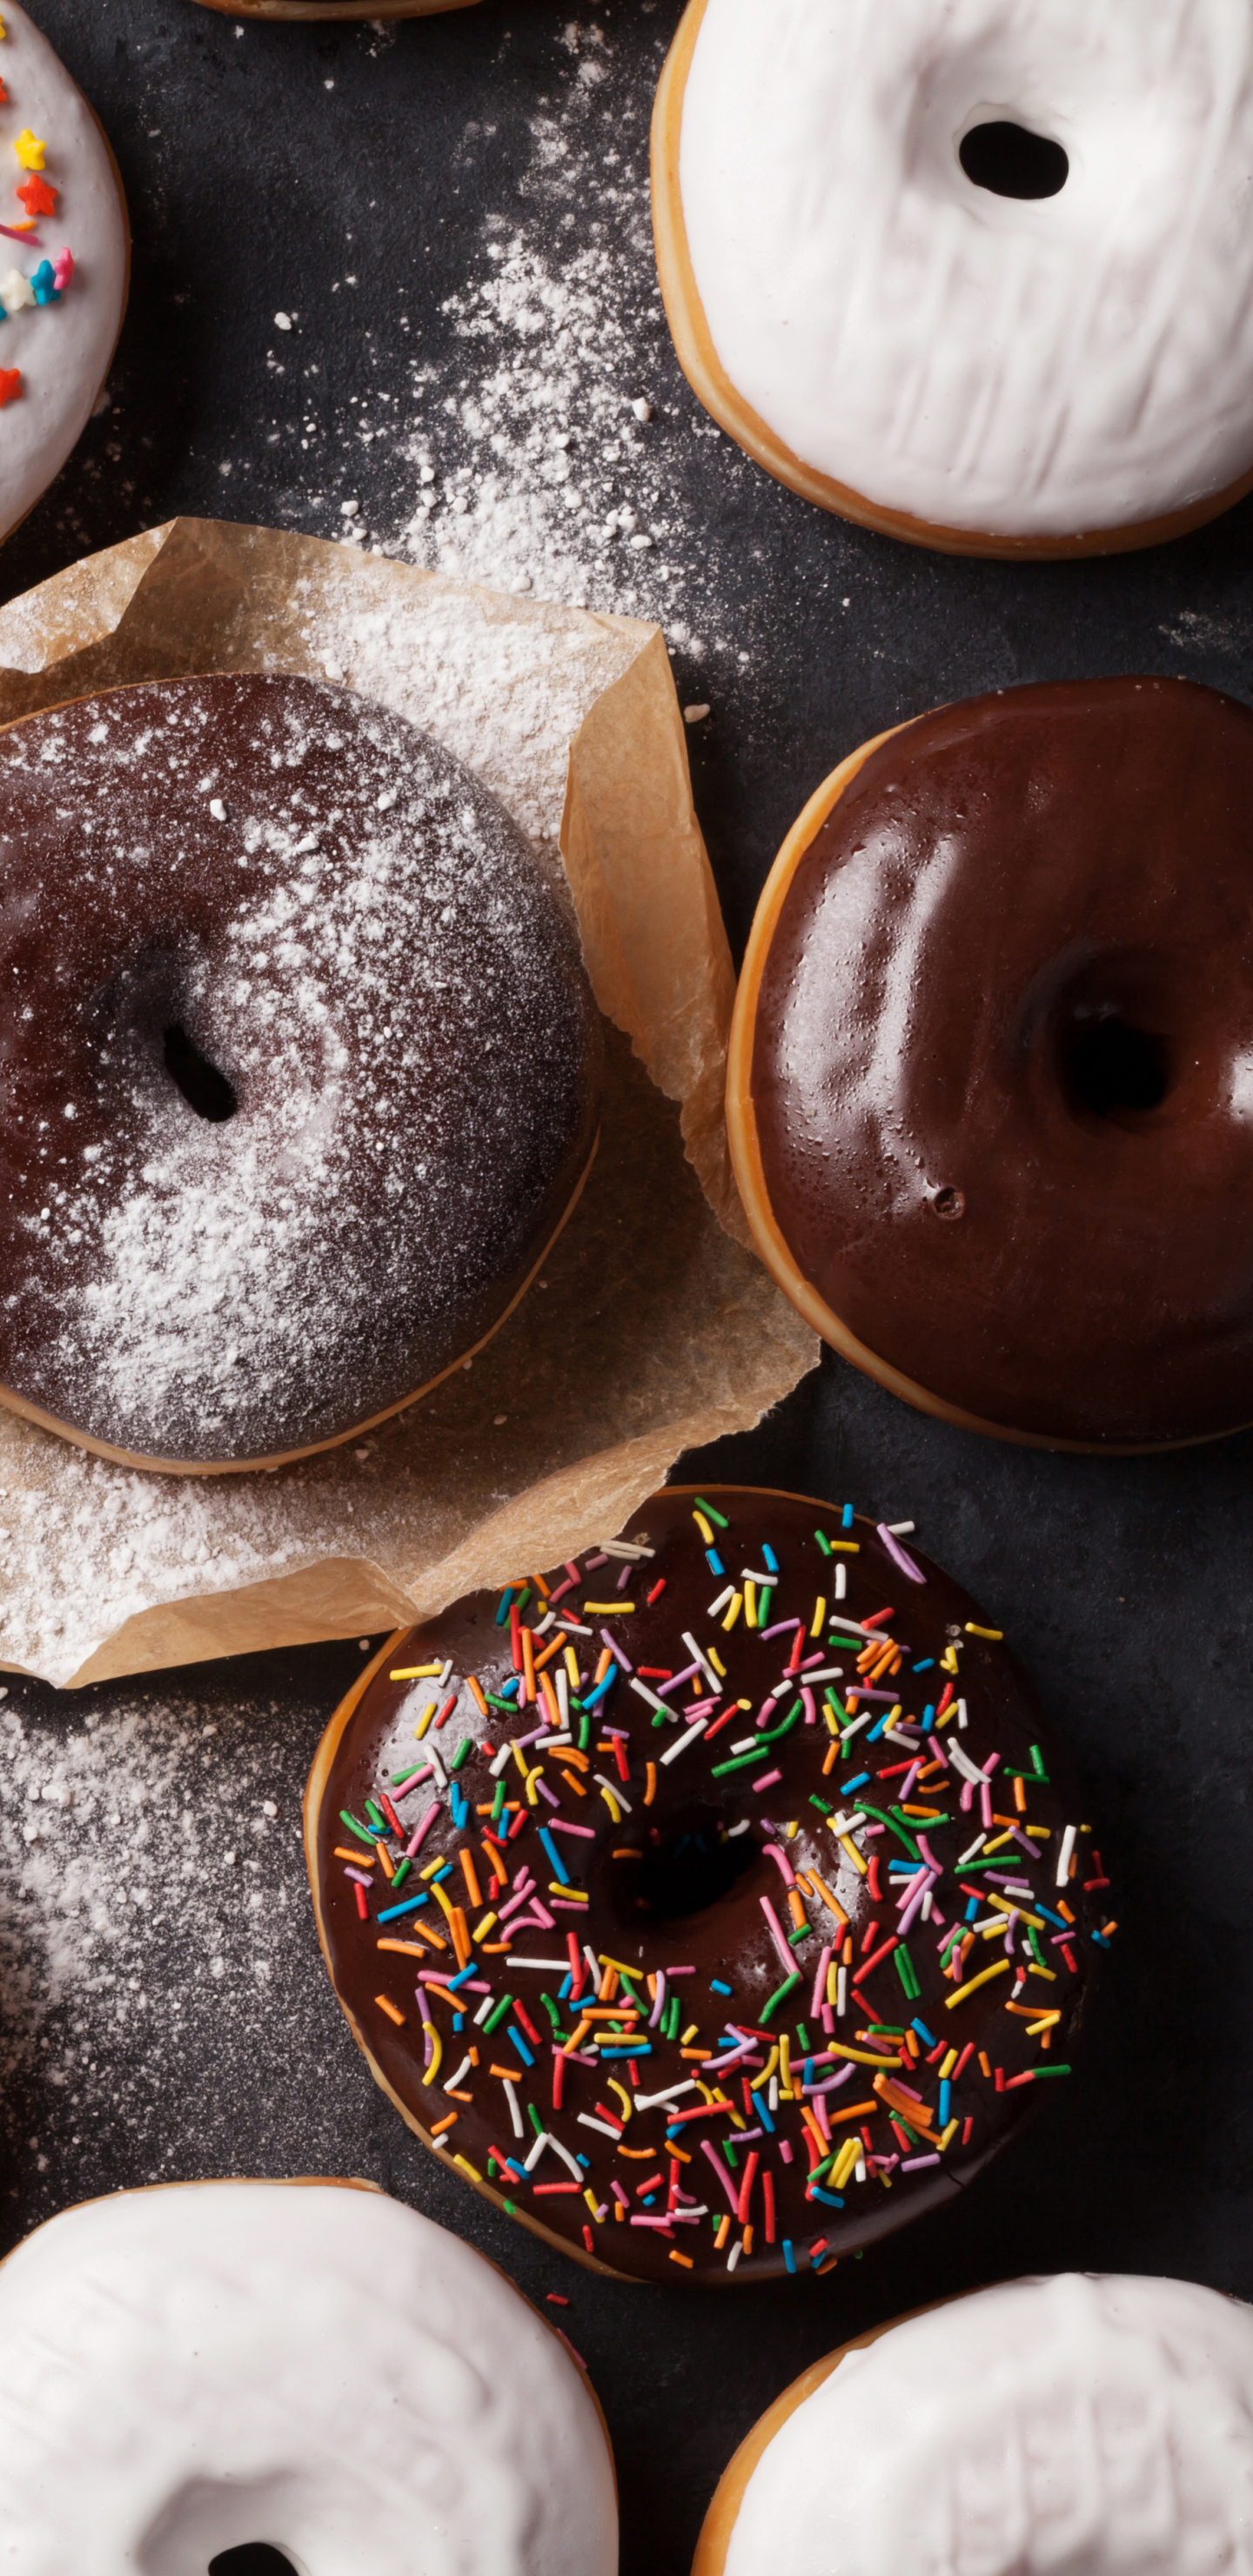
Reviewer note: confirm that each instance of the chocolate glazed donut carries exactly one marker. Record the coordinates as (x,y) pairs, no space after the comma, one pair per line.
(991,1084)
(298,1068)
(717,1903)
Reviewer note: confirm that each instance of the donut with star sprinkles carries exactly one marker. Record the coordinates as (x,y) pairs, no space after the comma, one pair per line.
(715,1903)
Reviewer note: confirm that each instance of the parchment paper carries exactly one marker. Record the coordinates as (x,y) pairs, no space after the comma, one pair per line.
(655,1327)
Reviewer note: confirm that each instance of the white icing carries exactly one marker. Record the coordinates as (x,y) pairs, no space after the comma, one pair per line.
(1080,362)
(62,350)
(1065,2427)
(183,2371)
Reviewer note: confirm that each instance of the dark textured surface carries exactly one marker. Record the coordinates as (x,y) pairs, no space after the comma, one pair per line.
(1123,1586)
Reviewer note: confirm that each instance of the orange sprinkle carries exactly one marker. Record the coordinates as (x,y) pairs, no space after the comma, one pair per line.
(475,1689)
(414,1949)
(684,2259)
(650,1791)
(460,1931)
(573,1783)
(528,1663)
(390,2010)
(468,1873)
(496,1859)
(449,2121)
(724,2230)
(357,1856)
(553,1647)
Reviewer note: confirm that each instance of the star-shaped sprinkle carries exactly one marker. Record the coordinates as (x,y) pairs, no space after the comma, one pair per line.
(37,196)
(10,384)
(30,150)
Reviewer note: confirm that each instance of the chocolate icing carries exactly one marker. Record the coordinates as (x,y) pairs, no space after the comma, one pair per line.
(298,1064)
(641,1878)
(1003,1060)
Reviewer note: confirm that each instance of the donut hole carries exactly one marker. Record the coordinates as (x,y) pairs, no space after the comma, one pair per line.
(1010,161)
(206,1090)
(1112,1069)
(685,1870)
(251,2558)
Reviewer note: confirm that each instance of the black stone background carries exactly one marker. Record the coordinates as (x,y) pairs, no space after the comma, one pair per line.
(1124,1584)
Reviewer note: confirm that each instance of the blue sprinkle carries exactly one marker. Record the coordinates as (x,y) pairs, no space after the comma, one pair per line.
(717,1987)
(503,1612)
(1042,1908)
(831,2198)
(566,1988)
(714,1561)
(462,1978)
(946,2096)
(510,1689)
(926,1666)
(439,1875)
(925,2034)
(521,2046)
(458,2021)
(42,281)
(788,2256)
(1100,1940)
(602,1689)
(771,1559)
(858,1783)
(972,1910)
(554,1855)
(649,2200)
(410,1906)
(585,2161)
(846,1517)
(763,2113)
(877,1729)
(644,2050)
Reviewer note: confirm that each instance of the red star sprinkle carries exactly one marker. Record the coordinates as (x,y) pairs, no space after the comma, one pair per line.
(36,195)
(10,384)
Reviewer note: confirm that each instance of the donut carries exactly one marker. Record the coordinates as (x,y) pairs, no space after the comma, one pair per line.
(1100,2422)
(298,1068)
(849,1868)
(989,1078)
(977,277)
(64,264)
(335,8)
(202,2368)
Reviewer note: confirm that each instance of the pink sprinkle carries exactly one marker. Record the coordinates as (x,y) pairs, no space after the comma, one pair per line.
(659,2002)
(785,2151)
(591,1562)
(63,270)
(620,2194)
(414,1844)
(769,1780)
(789,1874)
(584,1832)
(680,1972)
(564,1905)
(807,1701)
(570,1585)
(414,1783)
(782,1628)
(627,1571)
(914,2164)
(828,2020)
(820,1981)
(724,2177)
(362,1877)
(776,1934)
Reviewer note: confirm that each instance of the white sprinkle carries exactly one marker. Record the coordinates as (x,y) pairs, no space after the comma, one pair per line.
(689,1736)
(282,321)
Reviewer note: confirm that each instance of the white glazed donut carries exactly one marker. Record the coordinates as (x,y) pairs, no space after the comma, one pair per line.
(982,372)
(64,262)
(1076,2426)
(188,2370)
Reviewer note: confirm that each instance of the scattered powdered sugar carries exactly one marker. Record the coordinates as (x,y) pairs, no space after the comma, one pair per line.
(543,441)
(155,1917)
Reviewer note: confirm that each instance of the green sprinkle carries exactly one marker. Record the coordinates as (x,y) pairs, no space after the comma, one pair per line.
(498,1803)
(1041,2071)
(523,1597)
(376,1816)
(906,1971)
(461,1752)
(822,1807)
(510,2208)
(585,1730)
(552,2012)
(803,2036)
(362,1832)
(399,1777)
(894,1826)
(801,1933)
(1034,1939)
(497,2015)
(823,1541)
(507,1707)
(536,2119)
(789,1983)
(728,2150)
(403,1867)
(710,1513)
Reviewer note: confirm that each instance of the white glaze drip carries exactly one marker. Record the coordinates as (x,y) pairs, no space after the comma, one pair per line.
(1066,2427)
(187,2370)
(1041,368)
(62,350)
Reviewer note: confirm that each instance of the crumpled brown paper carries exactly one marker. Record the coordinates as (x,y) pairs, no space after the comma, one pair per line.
(653,1329)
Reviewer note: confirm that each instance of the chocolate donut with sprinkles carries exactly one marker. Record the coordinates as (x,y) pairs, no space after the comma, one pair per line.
(715,1904)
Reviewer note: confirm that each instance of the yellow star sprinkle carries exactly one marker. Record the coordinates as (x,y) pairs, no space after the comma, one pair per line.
(30,151)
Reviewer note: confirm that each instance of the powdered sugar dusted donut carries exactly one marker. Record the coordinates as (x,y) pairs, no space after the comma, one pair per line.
(298,1068)
(979,275)
(1073,2423)
(187,2370)
(64,257)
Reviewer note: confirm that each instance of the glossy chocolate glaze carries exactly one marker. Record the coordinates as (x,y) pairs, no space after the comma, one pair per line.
(1003,1059)
(640,1885)
(270,895)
